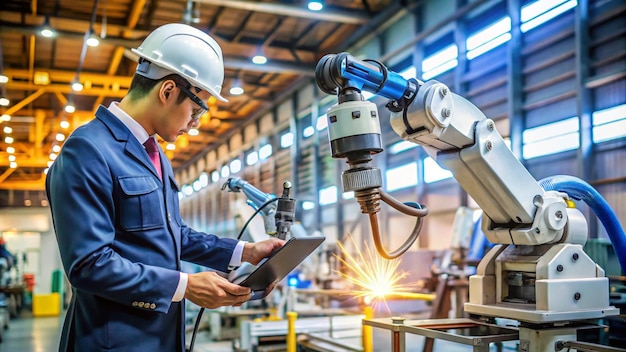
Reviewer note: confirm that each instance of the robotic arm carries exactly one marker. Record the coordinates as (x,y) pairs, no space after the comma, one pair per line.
(539,258)
(278,213)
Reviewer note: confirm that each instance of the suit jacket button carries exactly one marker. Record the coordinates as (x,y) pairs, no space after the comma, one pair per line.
(135,303)
(152,306)
(169,217)
(141,304)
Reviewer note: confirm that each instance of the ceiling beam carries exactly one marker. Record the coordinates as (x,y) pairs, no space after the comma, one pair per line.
(329,15)
(25,185)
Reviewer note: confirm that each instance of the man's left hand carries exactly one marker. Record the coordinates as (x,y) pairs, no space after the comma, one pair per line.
(253,253)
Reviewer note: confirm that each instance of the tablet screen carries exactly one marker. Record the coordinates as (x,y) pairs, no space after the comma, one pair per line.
(280,264)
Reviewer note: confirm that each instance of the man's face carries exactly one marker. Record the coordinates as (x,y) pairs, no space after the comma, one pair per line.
(178,119)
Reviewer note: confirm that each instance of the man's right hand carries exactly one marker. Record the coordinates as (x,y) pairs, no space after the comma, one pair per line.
(209,290)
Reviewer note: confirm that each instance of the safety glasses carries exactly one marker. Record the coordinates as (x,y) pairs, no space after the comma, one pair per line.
(196,112)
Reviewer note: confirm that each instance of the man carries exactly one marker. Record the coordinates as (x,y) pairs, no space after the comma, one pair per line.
(116,212)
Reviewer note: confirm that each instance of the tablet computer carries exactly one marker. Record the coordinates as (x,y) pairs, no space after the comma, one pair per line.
(277,266)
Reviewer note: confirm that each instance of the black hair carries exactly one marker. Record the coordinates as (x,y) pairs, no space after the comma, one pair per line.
(140,86)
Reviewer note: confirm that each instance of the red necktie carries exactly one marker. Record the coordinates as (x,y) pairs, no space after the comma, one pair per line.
(153,153)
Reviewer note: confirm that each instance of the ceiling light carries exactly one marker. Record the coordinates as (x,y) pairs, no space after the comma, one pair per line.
(46,30)
(50,162)
(13,165)
(5,117)
(4,101)
(192,12)
(7,129)
(236,88)
(11,157)
(64,124)
(170,146)
(56,148)
(4,79)
(8,139)
(53,156)
(315,5)
(60,137)
(193,132)
(69,108)
(93,39)
(259,59)
(10,150)
(77,86)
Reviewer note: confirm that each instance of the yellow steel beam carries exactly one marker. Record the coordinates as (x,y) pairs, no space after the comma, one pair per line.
(6,174)
(135,13)
(17,107)
(17,76)
(61,88)
(33,185)
(36,162)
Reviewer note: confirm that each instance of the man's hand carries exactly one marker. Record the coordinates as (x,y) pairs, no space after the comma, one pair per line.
(209,290)
(253,253)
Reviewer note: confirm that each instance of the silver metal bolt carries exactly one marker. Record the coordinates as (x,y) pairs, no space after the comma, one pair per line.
(397,320)
(489,145)
(559,215)
(446,112)
(444,91)
(490,126)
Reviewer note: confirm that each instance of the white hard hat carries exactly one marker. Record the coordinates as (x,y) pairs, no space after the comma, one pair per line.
(185,50)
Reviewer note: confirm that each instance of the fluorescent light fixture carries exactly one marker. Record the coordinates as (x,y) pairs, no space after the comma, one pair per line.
(259,59)
(60,137)
(225,171)
(56,148)
(13,165)
(539,12)
(203,179)
(46,30)
(10,150)
(64,124)
(12,157)
(5,117)
(8,140)
(93,39)
(252,158)
(489,33)
(315,5)
(286,140)
(215,176)
(7,129)
(236,88)
(322,122)
(193,132)
(4,79)
(77,86)
(69,108)
(235,166)
(170,146)
(265,151)
(308,132)
(4,101)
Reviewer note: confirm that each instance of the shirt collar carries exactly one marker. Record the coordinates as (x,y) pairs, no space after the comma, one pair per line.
(135,128)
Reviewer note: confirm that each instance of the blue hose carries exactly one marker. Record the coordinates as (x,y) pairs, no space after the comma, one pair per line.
(581,190)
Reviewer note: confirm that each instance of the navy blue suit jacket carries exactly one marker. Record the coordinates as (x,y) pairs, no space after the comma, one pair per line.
(121,240)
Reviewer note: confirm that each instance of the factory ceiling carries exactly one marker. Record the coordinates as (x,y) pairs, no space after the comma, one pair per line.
(41,70)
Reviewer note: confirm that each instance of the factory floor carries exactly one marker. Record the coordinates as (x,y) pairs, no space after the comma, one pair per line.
(28,334)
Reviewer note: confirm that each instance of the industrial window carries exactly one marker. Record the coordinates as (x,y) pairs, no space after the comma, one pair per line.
(322,123)
(225,171)
(609,123)
(489,38)
(265,151)
(552,138)
(286,140)
(252,157)
(308,132)
(401,146)
(442,61)
(215,176)
(541,11)
(401,177)
(433,172)
(307,205)
(328,195)
(235,166)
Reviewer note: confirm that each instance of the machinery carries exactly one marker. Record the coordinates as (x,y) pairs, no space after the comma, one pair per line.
(278,213)
(538,273)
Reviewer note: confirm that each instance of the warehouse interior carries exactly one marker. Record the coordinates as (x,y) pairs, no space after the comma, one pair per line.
(477,108)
